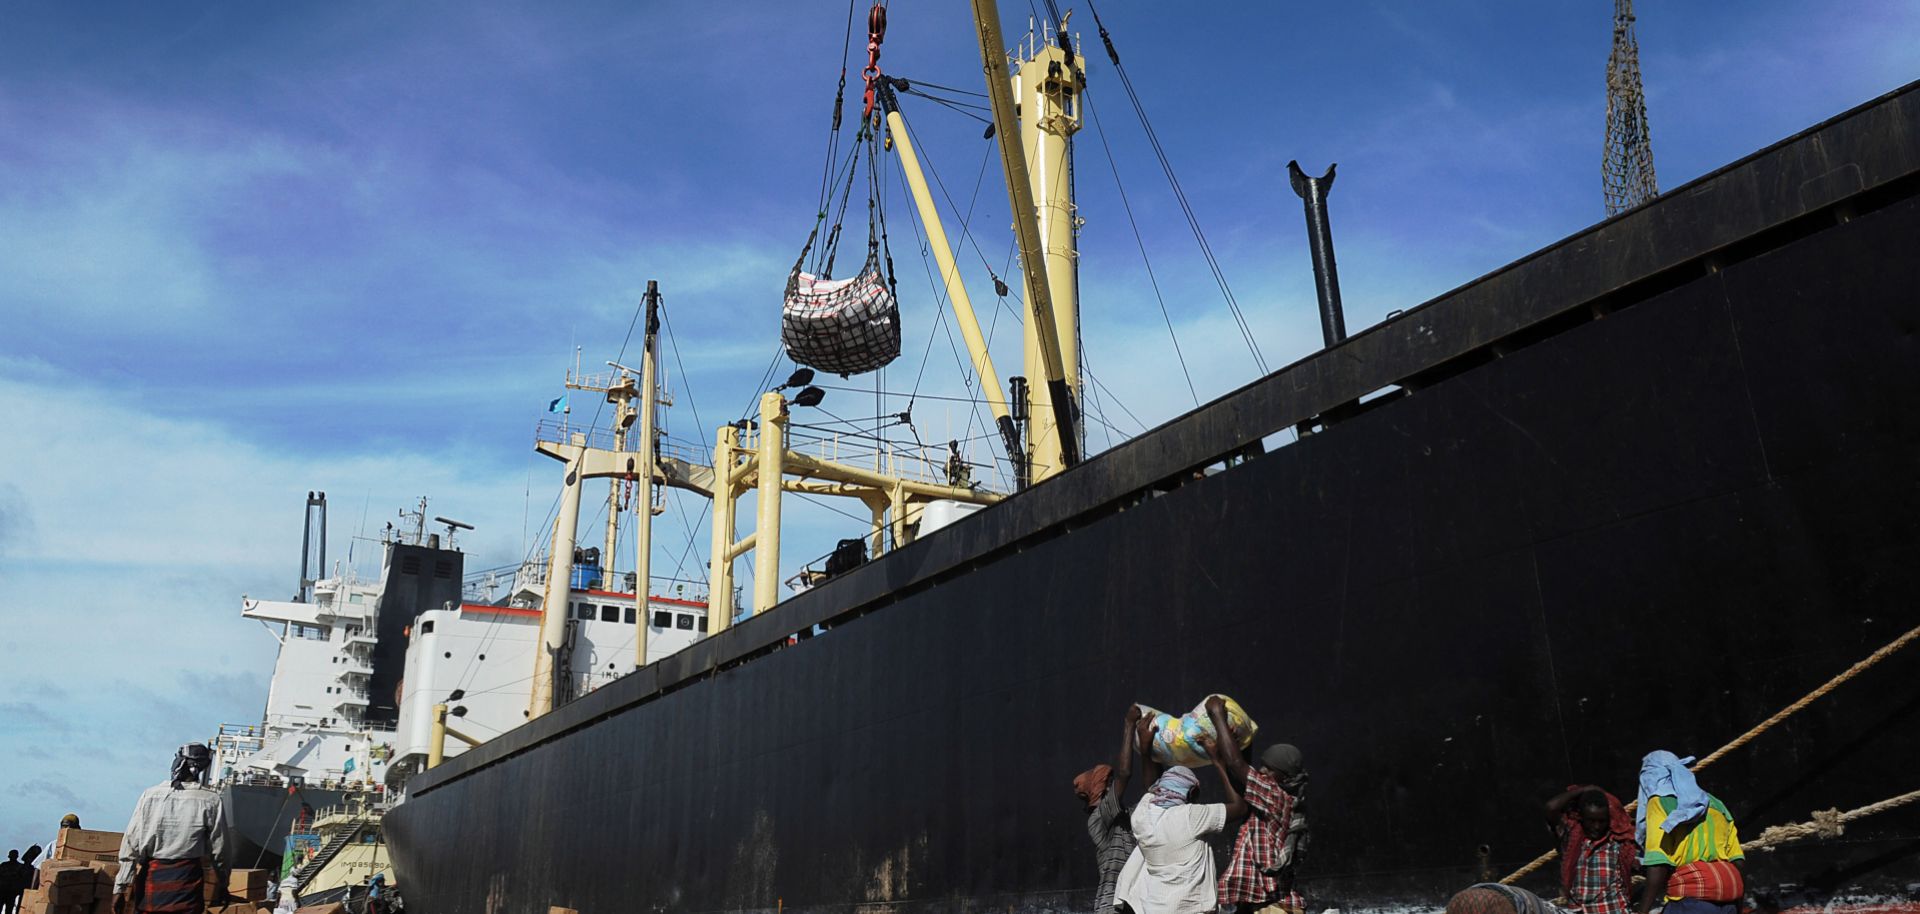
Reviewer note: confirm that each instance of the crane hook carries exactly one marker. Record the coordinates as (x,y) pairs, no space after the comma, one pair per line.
(876,33)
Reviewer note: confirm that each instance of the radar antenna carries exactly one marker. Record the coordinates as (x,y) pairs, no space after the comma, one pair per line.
(452,526)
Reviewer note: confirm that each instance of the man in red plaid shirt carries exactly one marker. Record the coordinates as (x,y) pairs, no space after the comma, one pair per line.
(1260,877)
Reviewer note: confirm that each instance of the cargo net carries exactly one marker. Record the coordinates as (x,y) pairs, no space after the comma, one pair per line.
(845,326)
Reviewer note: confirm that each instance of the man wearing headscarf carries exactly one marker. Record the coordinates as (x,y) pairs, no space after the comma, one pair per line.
(1691,848)
(1172,872)
(1108,822)
(1598,852)
(1260,874)
(175,826)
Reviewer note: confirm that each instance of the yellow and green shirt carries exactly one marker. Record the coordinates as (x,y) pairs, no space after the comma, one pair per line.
(1711,837)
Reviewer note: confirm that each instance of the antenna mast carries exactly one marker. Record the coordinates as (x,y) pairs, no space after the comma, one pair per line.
(313,567)
(1626,170)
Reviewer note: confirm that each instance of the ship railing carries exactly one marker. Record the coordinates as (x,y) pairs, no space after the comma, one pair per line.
(920,463)
(257,779)
(533,575)
(561,431)
(601,381)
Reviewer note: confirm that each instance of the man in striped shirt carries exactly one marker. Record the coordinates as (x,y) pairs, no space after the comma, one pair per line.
(1108,822)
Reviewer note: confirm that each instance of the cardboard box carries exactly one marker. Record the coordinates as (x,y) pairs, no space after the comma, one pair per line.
(248,885)
(33,901)
(329,908)
(78,895)
(68,882)
(87,846)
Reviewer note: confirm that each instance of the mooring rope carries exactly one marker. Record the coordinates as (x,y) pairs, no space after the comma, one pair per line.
(1765,725)
(1826,823)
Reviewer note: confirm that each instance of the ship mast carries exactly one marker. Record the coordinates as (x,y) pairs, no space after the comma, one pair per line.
(619,465)
(620,391)
(1050,84)
(643,498)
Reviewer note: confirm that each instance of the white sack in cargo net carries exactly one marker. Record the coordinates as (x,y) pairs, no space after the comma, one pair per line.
(1175,743)
(845,326)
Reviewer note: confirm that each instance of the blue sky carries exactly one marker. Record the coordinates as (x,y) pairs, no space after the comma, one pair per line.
(247,251)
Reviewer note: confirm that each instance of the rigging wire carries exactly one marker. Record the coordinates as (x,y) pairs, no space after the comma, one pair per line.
(1152,280)
(895,393)
(666,323)
(955,106)
(553,511)
(918,83)
(1179,194)
(829,506)
(1099,411)
(1117,402)
(839,106)
(966,372)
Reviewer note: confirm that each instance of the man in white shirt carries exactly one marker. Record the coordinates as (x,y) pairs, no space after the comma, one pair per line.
(1172,869)
(174,826)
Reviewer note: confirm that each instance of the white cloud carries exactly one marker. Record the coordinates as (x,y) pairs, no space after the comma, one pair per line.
(130,541)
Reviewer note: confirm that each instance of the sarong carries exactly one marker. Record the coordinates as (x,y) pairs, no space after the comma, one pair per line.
(1708,880)
(172,887)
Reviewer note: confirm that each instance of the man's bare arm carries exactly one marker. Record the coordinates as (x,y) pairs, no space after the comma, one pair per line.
(1236,764)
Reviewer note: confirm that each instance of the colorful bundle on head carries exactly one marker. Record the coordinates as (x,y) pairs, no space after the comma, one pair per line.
(1176,742)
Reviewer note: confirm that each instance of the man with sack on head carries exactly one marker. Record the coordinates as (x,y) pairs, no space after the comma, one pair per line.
(1260,875)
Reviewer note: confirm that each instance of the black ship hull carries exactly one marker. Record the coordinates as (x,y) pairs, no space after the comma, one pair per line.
(259,817)
(1639,490)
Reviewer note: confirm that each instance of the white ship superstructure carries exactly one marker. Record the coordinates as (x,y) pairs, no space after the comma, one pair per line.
(315,729)
(476,657)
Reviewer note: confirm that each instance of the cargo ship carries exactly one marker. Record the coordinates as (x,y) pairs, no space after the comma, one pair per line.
(1641,489)
(361,661)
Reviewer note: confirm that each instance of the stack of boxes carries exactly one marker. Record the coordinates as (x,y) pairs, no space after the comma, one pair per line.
(246,893)
(78,879)
(68,887)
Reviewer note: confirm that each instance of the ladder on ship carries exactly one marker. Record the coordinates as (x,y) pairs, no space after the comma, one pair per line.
(306,871)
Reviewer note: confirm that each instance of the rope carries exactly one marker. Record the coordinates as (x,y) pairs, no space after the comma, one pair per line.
(1826,824)
(1791,709)
(1180,195)
(1152,280)
(1750,735)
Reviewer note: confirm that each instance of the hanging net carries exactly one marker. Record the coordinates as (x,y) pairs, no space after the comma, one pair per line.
(846,326)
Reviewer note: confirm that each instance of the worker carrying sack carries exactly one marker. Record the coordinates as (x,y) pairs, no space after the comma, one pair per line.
(1175,744)
(845,326)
